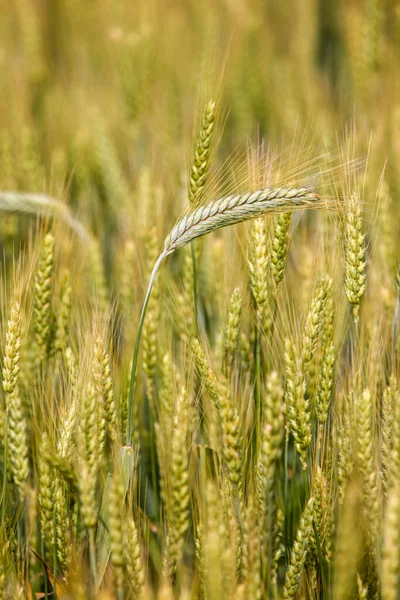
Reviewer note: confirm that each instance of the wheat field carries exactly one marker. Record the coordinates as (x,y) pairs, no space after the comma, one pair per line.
(200,300)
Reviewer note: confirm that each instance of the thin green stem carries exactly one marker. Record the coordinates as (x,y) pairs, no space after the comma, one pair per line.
(129,428)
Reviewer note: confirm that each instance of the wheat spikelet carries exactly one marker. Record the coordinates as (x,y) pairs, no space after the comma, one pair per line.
(198,171)
(280,246)
(299,552)
(117,530)
(234,209)
(42,297)
(314,322)
(133,560)
(387,432)
(366,460)
(232,330)
(258,272)
(391,546)
(296,405)
(64,311)
(354,252)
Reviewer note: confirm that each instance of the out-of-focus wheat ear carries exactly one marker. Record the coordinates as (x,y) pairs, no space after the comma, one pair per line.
(280,246)
(46,478)
(345,458)
(107,165)
(166,393)
(134,561)
(391,546)
(396,311)
(117,524)
(64,314)
(42,298)
(96,276)
(258,272)
(127,272)
(297,410)
(272,433)
(366,462)
(314,321)
(3,575)
(299,551)
(374,19)
(206,374)
(354,254)
(387,431)
(178,509)
(278,545)
(151,325)
(214,538)
(362,589)
(251,552)
(232,331)
(201,156)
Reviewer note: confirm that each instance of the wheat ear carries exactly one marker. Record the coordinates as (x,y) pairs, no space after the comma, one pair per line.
(210,217)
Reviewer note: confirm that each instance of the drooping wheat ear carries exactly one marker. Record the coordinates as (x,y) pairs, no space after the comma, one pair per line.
(198,171)
(178,509)
(387,426)
(354,252)
(391,546)
(117,530)
(315,320)
(64,312)
(15,427)
(280,246)
(42,205)
(298,554)
(296,405)
(133,559)
(234,209)
(151,326)
(232,330)
(46,495)
(366,461)
(325,384)
(251,552)
(42,298)
(258,273)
